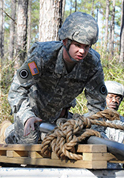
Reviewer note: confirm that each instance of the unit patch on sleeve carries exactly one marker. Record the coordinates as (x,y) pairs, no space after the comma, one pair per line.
(33,68)
(23,73)
(27,71)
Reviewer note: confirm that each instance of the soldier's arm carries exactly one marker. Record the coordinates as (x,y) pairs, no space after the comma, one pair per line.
(29,125)
(96,92)
(115,134)
(19,101)
(18,93)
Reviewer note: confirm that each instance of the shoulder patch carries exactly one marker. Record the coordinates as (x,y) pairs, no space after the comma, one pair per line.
(33,68)
(23,73)
(27,71)
(103,90)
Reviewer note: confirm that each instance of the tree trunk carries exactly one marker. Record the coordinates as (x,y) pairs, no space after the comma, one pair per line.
(92,9)
(71,6)
(29,25)
(110,39)
(1,30)
(75,5)
(113,28)
(12,29)
(63,10)
(122,34)
(112,31)
(21,32)
(106,25)
(50,19)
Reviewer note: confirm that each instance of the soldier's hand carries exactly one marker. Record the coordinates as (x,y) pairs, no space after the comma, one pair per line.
(29,125)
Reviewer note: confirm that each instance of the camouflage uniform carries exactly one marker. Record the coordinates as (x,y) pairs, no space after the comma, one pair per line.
(45,94)
(117,135)
(46,90)
(114,87)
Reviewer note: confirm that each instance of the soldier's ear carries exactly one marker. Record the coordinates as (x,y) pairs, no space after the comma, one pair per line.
(64,42)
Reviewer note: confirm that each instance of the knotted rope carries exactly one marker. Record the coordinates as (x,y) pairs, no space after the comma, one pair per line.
(68,133)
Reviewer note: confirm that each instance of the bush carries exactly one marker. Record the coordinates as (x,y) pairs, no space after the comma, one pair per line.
(6,79)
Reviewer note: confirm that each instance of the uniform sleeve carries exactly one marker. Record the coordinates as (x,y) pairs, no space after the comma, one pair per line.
(19,101)
(96,92)
(19,90)
(115,134)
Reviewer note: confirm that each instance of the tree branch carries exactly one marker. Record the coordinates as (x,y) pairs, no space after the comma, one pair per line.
(9,16)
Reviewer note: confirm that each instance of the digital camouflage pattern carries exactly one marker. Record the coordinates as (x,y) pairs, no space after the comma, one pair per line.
(112,133)
(80,27)
(45,95)
(115,135)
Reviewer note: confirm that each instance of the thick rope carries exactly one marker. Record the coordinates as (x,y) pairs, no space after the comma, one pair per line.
(68,133)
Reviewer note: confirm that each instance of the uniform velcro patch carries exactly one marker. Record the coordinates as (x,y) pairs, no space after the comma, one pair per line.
(33,68)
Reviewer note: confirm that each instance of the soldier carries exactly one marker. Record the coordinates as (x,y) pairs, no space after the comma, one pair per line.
(115,94)
(113,100)
(54,74)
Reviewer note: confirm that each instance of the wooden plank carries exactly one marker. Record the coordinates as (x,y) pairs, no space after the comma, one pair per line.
(37,147)
(86,148)
(19,147)
(98,156)
(12,153)
(54,156)
(31,154)
(116,161)
(56,163)
(95,157)
(35,154)
(2,152)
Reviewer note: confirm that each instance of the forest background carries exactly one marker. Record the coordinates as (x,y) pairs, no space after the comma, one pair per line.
(22,22)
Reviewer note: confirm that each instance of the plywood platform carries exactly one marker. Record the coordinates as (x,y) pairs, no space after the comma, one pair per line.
(94,156)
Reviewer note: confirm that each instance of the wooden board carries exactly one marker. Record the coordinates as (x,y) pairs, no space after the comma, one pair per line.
(53,162)
(21,147)
(87,148)
(94,156)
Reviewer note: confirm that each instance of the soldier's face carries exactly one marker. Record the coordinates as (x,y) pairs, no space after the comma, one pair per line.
(113,101)
(77,51)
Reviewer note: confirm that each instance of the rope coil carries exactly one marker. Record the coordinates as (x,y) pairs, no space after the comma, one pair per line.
(68,133)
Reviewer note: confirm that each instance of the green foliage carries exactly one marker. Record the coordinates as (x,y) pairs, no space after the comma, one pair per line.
(5,109)
(7,73)
(80,107)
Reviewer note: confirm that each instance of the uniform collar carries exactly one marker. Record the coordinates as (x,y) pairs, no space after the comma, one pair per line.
(60,66)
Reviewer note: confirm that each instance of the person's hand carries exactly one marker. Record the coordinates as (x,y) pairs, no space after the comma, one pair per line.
(29,125)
